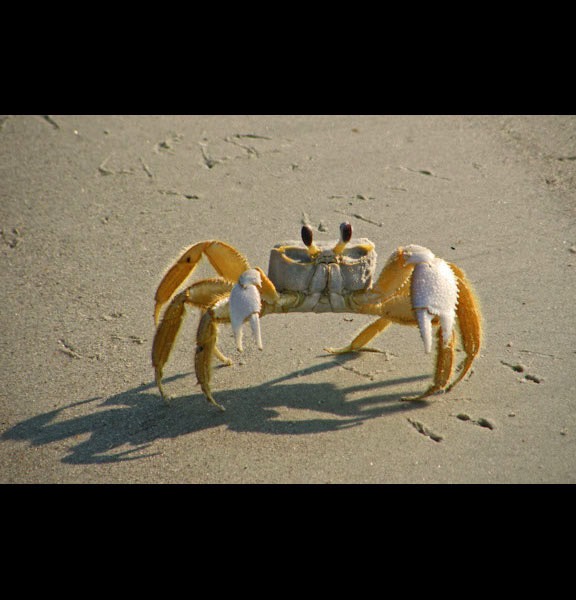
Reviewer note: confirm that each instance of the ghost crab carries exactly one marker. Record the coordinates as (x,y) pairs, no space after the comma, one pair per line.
(414,288)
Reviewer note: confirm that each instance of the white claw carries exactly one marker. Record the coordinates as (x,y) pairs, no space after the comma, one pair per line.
(434,293)
(255,326)
(245,304)
(425,326)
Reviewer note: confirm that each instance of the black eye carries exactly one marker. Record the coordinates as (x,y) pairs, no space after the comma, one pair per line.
(346,232)
(307,235)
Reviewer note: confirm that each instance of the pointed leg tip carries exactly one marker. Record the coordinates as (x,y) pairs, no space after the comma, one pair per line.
(431,391)
(213,402)
(420,398)
(166,398)
(343,350)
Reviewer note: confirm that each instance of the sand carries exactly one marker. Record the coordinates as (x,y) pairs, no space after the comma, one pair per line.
(93,209)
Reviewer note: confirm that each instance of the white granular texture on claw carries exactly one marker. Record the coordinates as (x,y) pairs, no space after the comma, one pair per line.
(434,293)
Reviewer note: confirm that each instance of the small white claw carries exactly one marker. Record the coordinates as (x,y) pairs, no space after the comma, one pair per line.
(255,326)
(245,304)
(425,326)
(434,293)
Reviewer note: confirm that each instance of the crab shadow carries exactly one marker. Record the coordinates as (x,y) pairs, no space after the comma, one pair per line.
(125,426)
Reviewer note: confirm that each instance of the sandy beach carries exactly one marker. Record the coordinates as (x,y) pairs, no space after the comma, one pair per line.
(94,209)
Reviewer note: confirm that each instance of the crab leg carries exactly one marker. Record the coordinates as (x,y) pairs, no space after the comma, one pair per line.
(201,294)
(165,336)
(267,289)
(225,259)
(469,321)
(416,287)
(444,361)
(358,343)
(205,346)
(244,303)
(394,276)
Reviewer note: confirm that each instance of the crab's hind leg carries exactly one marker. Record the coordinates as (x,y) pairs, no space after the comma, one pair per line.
(225,259)
(469,321)
(357,344)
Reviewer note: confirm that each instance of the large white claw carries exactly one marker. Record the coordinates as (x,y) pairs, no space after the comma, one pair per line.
(434,293)
(245,304)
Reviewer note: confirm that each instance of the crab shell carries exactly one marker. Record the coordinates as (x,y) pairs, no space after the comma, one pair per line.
(292,267)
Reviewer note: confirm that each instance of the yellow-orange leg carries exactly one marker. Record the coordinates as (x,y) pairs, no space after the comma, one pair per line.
(368,333)
(165,336)
(225,259)
(202,294)
(444,363)
(205,347)
(394,276)
(470,323)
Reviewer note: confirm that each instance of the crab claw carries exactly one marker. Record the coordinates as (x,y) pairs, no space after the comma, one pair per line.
(434,293)
(245,304)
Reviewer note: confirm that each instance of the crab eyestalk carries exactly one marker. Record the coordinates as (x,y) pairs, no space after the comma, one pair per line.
(308,239)
(345,237)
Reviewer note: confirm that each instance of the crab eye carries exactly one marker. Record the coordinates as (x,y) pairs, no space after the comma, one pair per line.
(307,235)
(346,232)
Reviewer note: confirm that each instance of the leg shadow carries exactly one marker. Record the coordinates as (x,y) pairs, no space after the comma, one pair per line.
(124,427)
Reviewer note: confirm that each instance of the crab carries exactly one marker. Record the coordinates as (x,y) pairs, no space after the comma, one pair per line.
(414,288)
